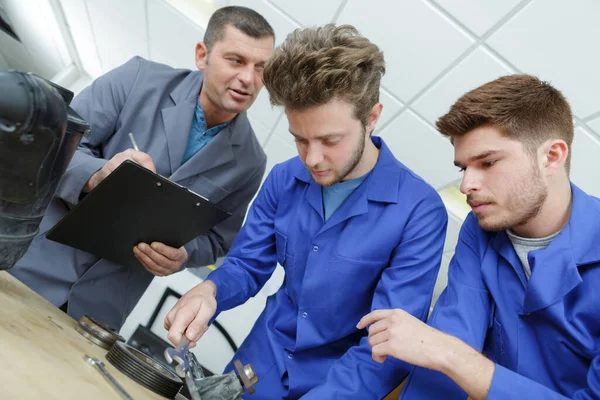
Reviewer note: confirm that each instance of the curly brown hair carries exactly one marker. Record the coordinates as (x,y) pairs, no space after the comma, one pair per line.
(316,65)
(523,107)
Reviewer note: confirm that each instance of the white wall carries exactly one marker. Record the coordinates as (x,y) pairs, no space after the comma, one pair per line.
(3,64)
(435,51)
(42,49)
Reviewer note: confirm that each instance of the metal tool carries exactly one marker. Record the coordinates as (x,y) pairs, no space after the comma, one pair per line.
(224,387)
(98,332)
(247,375)
(178,354)
(194,374)
(228,386)
(100,365)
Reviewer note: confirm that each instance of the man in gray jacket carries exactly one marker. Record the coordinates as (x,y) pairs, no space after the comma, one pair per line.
(190,126)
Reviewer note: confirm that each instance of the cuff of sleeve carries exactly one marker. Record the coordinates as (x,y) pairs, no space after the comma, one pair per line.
(73,189)
(507,384)
(189,248)
(500,387)
(217,278)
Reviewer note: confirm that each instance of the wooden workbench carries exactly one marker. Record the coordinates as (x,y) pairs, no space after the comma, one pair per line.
(41,354)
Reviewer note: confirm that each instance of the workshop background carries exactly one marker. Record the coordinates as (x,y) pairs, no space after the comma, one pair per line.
(435,51)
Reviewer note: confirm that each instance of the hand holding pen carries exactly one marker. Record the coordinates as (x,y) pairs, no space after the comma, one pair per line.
(133,154)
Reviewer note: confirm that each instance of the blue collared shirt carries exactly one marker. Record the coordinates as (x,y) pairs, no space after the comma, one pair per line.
(380,249)
(199,135)
(543,334)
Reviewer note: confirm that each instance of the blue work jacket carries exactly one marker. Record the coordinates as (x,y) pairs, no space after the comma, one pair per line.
(380,249)
(543,334)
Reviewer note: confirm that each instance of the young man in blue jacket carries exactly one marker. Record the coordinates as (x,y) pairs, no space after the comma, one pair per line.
(353,228)
(520,318)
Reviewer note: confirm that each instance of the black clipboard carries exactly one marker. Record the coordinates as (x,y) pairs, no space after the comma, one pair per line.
(132,205)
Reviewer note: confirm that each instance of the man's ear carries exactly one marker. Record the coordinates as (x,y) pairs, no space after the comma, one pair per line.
(555,154)
(374,115)
(201,55)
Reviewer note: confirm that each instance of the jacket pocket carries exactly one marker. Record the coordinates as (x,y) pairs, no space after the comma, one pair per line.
(287,262)
(498,342)
(281,246)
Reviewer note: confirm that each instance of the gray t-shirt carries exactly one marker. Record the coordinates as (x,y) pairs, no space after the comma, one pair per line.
(524,245)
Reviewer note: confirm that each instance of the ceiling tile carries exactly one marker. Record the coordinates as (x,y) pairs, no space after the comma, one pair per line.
(305,12)
(281,23)
(421,148)
(278,151)
(418,42)
(478,16)
(262,110)
(82,34)
(585,163)
(175,47)
(556,40)
(119,30)
(595,125)
(390,107)
(3,65)
(260,130)
(40,36)
(475,70)
(282,130)
(16,55)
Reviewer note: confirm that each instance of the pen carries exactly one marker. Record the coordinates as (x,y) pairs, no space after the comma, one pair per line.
(135,146)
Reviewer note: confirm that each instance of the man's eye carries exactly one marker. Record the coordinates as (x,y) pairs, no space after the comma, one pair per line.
(488,164)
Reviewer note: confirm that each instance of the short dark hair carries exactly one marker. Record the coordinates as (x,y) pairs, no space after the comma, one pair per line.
(245,19)
(523,107)
(316,65)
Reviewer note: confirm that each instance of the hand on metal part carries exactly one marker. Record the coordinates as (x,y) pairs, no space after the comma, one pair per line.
(398,334)
(160,259)
(192,313)
(136,156)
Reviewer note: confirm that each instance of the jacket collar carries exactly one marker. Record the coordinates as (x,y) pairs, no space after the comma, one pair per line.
(178,118)
(379,185)
(555,269)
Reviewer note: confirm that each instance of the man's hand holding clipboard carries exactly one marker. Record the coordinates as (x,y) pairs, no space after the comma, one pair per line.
(158,258)
(134,155)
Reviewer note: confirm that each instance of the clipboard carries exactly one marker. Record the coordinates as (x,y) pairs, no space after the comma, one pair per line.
(132,205)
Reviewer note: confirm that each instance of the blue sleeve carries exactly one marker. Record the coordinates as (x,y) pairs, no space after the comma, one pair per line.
(462,310)
(508,385)
(253,257)
(406,283)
